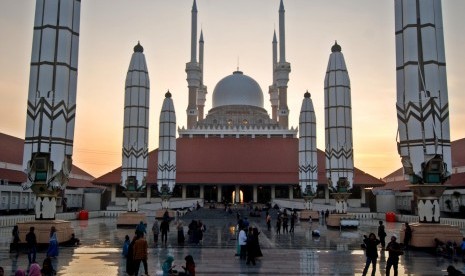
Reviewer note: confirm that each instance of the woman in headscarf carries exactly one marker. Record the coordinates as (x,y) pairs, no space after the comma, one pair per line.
(168,266)
(34,270)
(52,250)
(20,272)
(189,269)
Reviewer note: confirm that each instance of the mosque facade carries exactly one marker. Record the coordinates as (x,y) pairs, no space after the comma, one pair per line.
(237,152)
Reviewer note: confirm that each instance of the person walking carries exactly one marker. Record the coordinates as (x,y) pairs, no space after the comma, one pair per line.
(407,235)
(130,257)
(31,241)
(52,250)
(126,244)
(164,229)
(251,247)
(268,221)
(293,217)
(155,231)
(140,254)
(382,234)
(278,225)
(395,251)
(258,251)
(285,222)
(371,253)
(47,267)
(141,228)
(180,228)
(243,243)
(16,240)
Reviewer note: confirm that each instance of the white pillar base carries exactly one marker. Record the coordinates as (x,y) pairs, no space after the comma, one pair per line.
(46,207)
(165,203)
(341,207)
(133,204)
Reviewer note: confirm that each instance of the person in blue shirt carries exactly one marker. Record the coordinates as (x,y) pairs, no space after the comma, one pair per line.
(126,244)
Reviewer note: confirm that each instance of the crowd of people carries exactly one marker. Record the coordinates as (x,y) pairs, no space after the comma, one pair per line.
(135,250)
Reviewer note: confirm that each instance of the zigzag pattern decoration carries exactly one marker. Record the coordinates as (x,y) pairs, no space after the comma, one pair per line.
(308,168)
(338,154)
(167,167)
(430,108)
(135,152)
(60,109)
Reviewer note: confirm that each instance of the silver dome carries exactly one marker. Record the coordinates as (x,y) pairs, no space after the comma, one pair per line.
(237,89)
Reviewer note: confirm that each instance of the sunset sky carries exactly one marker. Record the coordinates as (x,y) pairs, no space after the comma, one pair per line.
(236,33)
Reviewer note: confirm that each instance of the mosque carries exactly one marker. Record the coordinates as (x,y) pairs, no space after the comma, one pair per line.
(237,152)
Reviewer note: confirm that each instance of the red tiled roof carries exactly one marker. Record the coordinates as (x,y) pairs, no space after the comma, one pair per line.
(236,161)
(13,176)
(456,180)
(11,151)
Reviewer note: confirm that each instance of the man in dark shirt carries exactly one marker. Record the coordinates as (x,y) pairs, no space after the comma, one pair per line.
(164,229)
(395,251)
(31,245)
(371,252)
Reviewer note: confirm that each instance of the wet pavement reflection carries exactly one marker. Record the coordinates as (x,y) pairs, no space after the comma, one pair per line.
(335,252)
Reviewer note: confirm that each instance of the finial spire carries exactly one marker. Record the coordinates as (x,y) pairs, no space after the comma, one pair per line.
(336,47)
(282,35)
(194,6)
(138,48)
(194,33)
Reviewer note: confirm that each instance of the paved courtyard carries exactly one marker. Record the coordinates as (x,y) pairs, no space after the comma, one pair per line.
(334,253)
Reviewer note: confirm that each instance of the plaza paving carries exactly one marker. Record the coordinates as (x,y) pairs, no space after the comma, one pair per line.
(334,253)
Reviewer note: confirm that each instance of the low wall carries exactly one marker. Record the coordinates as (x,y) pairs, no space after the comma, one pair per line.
(10,221)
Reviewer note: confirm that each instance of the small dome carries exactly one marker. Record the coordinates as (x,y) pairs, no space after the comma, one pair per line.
(237,89)
(336,47)
(138,48)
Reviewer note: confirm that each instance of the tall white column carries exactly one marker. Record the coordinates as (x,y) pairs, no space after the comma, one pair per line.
(338,123)
(166,175)
(51,104)
(308,163)
(237,197)
(136,122)
(422,102)
(422,96)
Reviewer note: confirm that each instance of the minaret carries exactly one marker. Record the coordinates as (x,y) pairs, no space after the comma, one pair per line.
(282,72)
(338,128)
(273,90)
(193,73)
(166,175)
(51,104)
(202,91)
(136,128)
(308,169)
(422,102)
